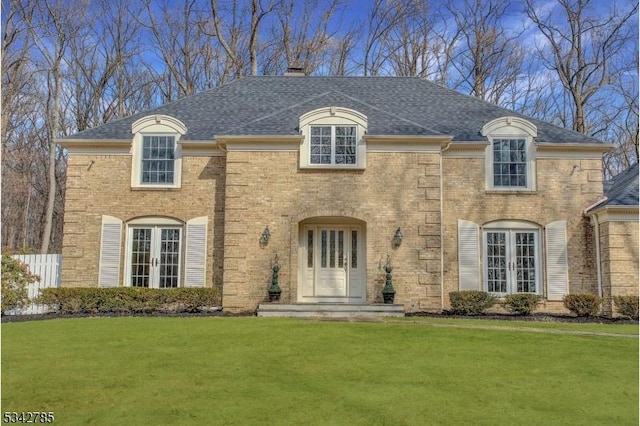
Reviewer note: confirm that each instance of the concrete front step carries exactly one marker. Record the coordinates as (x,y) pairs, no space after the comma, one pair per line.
(329,310)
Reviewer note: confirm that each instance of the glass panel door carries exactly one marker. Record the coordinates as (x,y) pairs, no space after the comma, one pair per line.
(511,261)
(140,257)
(497,262)
(155,256)
(169,266)
(525,262)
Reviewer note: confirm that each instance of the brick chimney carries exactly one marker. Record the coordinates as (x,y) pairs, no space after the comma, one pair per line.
(295,72)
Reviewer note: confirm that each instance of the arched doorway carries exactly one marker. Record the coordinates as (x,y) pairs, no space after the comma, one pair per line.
(332,260)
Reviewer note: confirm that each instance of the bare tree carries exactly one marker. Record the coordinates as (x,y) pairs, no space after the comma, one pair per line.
(488,59)
(180,43)
(382,17)
(580,47)
(303,33)
(418,44)
(16,51)
(239,38)
(618,114)
(339,57)
(53,24)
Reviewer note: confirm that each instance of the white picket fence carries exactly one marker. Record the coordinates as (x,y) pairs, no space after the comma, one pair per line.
(47,267)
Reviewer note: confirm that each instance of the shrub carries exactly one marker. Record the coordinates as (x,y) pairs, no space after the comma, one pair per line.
(471,302)
(521,303)
(627,305)
(583,305)
(128,300)
(15,278)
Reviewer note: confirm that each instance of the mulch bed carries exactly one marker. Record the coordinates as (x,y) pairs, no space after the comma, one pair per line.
(445,314)
(532,318)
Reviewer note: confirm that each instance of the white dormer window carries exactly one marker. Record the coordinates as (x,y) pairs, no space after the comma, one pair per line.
(158,160)
(509,162)
(510,156)
(333,139)
(156,153)
(333,145)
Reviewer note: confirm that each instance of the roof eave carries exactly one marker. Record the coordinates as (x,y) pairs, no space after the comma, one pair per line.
(571,146)
(442,140)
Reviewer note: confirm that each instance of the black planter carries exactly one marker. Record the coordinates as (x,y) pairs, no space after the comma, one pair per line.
(388,297)
(274,297)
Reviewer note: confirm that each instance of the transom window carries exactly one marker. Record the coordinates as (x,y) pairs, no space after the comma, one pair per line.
(511,261)
(333,145)
(509,163)
(158,159)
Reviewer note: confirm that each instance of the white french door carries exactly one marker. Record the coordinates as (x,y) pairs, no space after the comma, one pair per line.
(511,261)
(155,256)
(332,264)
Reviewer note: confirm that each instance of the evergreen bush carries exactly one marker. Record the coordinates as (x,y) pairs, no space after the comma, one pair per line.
(521,303)
(583,305)
(627,305)
(128,300)
(471,302)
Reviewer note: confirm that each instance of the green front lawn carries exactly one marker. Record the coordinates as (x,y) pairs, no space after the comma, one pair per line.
(138,371)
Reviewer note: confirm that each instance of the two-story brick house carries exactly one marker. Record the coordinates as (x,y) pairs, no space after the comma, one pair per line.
(336,176)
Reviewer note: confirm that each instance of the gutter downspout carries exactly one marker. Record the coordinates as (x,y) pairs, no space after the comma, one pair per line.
(596,225)
(442,228)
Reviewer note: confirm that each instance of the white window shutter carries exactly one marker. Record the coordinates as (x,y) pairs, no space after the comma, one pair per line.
(468,255)
(557,260)
(110,242)
(196,257)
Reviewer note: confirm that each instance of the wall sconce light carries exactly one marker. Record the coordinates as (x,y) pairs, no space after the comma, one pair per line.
(264,238)
(397,238)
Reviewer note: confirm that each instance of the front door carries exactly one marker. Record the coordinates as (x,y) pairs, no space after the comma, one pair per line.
(331,269)
(332,264)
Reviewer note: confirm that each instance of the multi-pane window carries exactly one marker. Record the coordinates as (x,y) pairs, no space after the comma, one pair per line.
(158,159)
(509,163)
(333,145)
(511,261)
(155,256)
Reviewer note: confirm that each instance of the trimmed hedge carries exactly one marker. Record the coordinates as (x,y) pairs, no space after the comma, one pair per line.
(128,300)
(521,303)
(627,306)
(471,302)
(583,305)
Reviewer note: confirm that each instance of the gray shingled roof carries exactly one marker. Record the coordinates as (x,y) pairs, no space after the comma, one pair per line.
(622,189)
(272,105)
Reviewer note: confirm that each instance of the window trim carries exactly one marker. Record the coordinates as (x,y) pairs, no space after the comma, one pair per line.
(156,125)
(334,117)
(511,128)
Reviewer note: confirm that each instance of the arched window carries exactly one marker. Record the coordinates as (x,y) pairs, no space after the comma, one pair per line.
(156,154)
(333,138)
(510,156)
